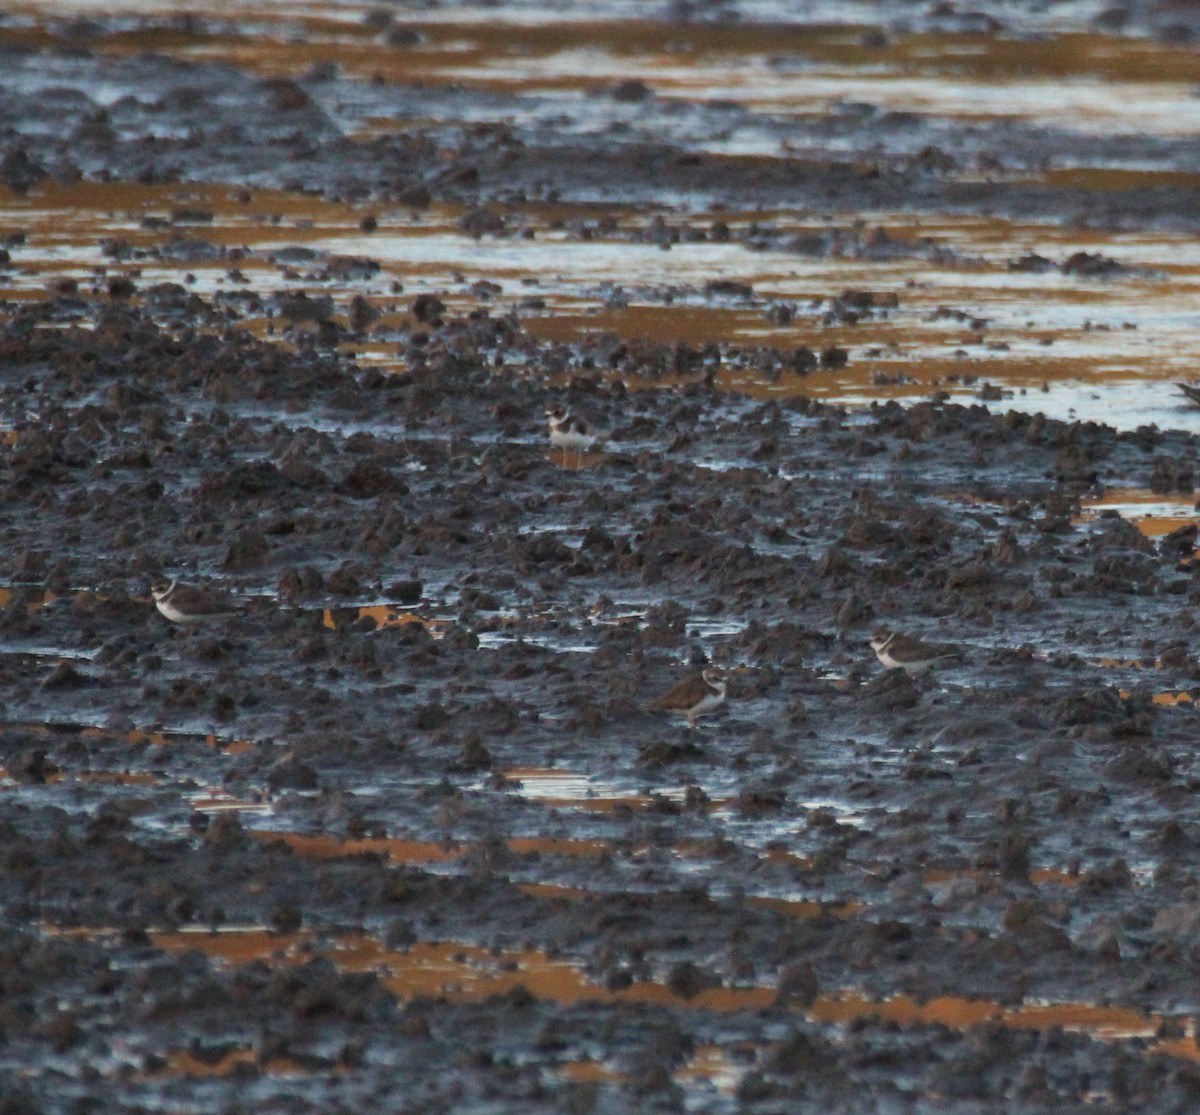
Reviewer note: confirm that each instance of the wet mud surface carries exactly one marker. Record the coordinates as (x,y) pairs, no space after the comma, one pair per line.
(402,835)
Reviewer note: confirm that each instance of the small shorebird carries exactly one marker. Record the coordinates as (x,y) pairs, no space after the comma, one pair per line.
(568,431)
(903,652)
(189,604)
(694,696)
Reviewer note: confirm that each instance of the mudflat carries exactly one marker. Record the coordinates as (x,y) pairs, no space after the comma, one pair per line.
(284,299)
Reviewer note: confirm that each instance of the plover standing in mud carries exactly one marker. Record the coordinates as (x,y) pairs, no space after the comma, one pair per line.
(903,652)
(694,696)
(188,604)
(569,431)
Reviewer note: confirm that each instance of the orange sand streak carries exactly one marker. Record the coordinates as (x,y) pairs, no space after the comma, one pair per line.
(184,1063)
(468,973)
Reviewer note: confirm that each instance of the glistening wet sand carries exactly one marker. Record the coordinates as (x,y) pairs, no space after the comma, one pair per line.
(878,323)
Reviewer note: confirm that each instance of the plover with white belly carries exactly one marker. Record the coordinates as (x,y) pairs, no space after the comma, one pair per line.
(694,696)
(903,652)
(190,604)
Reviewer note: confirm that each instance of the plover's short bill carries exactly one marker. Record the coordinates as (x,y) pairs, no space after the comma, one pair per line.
(569,431)
(694,696)
(189,603)
(902,652)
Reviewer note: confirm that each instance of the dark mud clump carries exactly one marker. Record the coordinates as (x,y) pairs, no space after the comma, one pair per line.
(401,833)
(961,835)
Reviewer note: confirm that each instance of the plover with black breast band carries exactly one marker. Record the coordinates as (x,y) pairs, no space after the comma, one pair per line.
(569,431)
(694,696)
(903,652)
(190,604)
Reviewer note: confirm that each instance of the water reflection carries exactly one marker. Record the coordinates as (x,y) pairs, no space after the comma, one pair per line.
(1154,513)
(1108,349)
(383,615)
(566,789)
(464,972)
(222,1062)
(414,852)
(767,70)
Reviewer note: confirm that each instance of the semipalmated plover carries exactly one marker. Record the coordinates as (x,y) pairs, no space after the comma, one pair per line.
(903,652)
(569,431)
(189,604)
(694,696)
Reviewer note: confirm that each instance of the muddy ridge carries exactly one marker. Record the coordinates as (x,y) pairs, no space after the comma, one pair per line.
(401,833)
